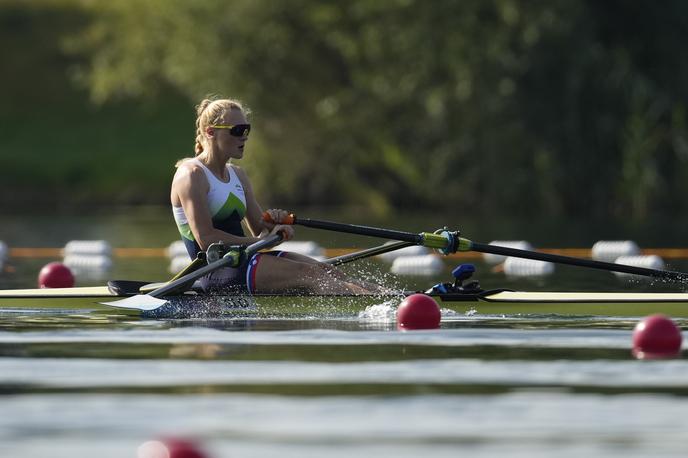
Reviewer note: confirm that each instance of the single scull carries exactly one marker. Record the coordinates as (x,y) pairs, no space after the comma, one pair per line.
(179,297)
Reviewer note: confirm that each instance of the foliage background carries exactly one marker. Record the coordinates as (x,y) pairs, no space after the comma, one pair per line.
(566,108)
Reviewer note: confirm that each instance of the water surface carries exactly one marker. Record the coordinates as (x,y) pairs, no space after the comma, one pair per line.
(331,384)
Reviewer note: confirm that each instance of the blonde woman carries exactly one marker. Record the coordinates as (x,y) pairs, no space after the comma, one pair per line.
(211,197)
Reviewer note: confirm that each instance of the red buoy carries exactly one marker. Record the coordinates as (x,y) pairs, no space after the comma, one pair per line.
(55,275)
(418,311)
(170,448)
(656,336)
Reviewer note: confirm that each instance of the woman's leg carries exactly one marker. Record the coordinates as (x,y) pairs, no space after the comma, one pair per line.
(280,274)
(335,272)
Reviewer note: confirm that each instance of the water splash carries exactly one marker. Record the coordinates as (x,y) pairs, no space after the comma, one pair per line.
(372,273)
(385,312)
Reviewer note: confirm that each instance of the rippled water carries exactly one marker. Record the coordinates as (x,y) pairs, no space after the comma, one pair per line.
(484,386)
(336,385)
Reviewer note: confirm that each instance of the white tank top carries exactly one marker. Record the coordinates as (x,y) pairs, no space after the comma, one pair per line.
(227,203)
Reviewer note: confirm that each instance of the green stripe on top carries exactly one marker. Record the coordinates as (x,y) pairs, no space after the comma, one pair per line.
(232,204)
(185,231)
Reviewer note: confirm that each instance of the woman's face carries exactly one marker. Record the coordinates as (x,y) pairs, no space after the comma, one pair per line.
(228,144)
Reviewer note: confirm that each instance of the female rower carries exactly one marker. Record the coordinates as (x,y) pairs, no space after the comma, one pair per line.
(212,197)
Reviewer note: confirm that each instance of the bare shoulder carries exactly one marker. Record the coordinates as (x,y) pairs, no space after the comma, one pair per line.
(188,174)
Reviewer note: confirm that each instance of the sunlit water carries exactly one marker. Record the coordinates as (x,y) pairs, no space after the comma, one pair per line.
(336,385)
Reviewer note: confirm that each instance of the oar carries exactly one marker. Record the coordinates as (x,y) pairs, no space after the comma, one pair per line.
(153,300)
(386,248)
(450,242)
(443,241)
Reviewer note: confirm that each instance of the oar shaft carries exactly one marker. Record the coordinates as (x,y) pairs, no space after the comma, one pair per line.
(427,239)
(468,245)
(339,260)
(416,239)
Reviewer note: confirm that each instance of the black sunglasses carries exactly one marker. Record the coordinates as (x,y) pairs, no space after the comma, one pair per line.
(238,130)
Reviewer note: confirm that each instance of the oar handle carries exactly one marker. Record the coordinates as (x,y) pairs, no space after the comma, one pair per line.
(289,219)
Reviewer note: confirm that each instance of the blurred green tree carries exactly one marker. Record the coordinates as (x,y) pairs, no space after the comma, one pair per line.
(565,108)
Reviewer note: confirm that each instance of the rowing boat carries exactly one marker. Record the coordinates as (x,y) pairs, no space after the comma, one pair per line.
(491,302)
(178,298)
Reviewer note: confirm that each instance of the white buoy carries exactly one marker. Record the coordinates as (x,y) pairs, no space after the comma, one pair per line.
(610,250)
(413,250)
(88,258)
(495,259)
(310,249)
(175,249)
(88,247)
(423,265)
(518,267)
(88,266)
(648,262)
(79,262)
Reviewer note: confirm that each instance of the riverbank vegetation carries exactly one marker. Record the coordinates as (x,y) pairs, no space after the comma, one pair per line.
(574,109)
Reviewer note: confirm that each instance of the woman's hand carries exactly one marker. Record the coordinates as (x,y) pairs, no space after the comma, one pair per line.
(287,231)
(277,216)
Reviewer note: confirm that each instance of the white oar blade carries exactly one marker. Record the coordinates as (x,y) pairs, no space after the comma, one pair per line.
(143,302)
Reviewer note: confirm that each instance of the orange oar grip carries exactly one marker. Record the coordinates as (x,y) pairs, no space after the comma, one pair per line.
(288,220)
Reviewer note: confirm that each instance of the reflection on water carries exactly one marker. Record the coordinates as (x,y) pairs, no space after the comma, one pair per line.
(532,386)
(520,424)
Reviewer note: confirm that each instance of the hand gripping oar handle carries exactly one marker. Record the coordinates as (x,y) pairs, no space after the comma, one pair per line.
(468,245)
(444,241)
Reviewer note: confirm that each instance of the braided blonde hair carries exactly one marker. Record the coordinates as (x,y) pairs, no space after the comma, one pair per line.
(209,112)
